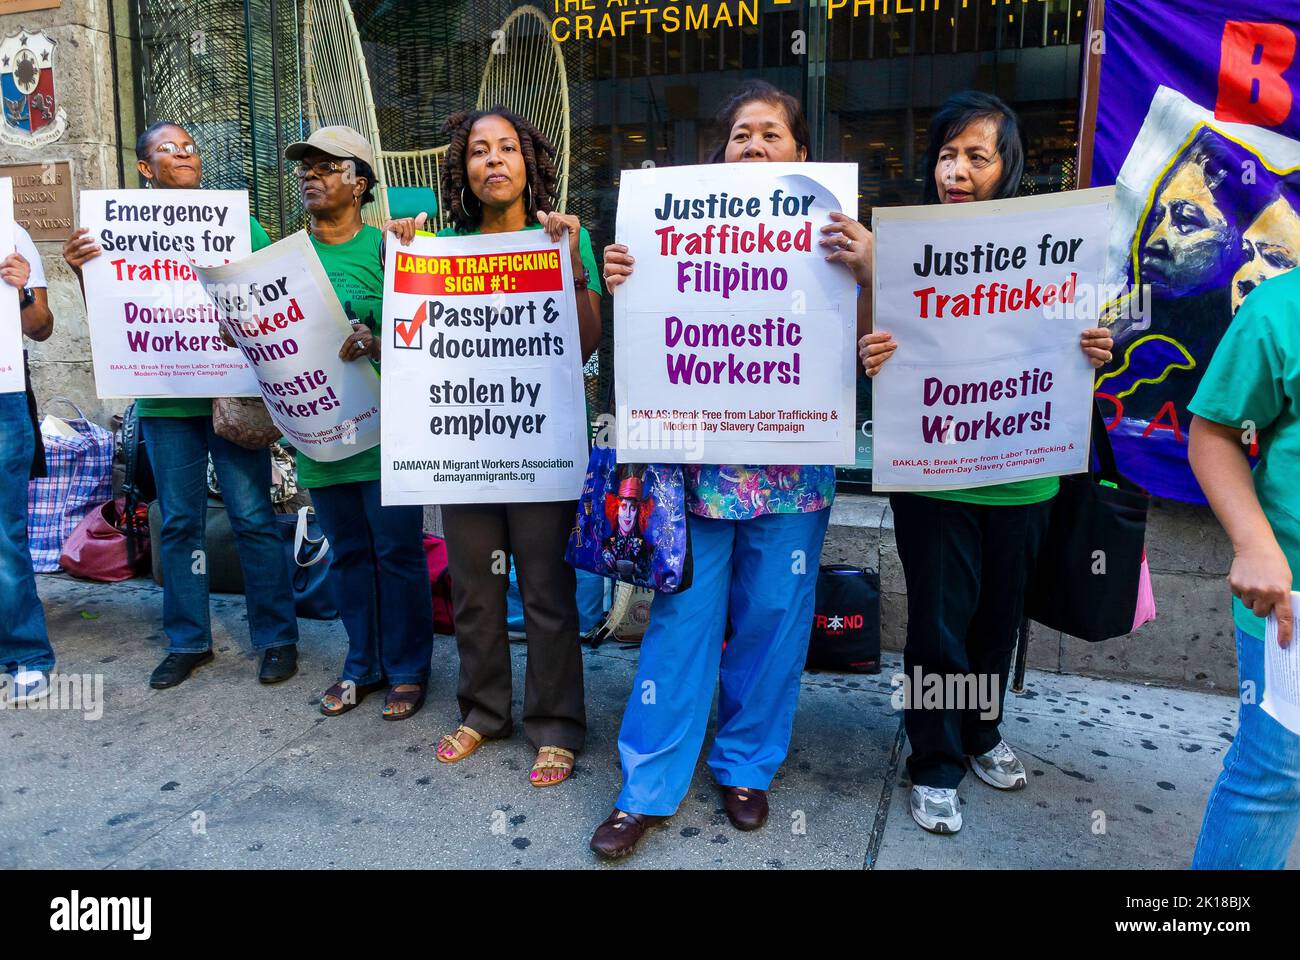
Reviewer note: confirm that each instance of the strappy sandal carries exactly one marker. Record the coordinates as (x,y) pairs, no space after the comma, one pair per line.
(555,761)
(349,696)
(461,751)
(415,698)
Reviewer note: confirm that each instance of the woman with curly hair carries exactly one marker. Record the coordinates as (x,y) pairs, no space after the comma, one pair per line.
(500,176)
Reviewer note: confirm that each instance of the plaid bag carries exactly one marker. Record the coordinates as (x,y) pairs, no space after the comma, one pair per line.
(79,474)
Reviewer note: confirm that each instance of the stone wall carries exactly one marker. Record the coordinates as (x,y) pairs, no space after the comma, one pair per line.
(1189,644)
(84,88)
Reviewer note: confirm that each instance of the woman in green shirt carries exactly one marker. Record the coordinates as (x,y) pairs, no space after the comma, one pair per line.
(500,176)
(377,566)
(967,554)
(179,436)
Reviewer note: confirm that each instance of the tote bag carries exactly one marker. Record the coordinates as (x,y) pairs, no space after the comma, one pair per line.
(79,475)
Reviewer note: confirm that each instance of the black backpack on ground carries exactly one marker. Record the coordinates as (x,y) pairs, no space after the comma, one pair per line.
(846,620)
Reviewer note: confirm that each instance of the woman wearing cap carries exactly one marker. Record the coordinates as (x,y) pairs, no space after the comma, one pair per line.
(179,435)
(500,176)
(745,524)
(377,566)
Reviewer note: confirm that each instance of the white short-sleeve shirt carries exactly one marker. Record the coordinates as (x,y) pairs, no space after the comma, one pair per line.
(24,245)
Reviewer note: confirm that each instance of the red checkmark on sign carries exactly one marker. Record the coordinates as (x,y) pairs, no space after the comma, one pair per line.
(407,329)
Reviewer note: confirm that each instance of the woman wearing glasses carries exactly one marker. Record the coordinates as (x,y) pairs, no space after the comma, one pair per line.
(379,572)
(179,436)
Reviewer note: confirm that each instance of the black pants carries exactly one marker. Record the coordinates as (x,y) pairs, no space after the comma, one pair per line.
(480,540)
(966,567)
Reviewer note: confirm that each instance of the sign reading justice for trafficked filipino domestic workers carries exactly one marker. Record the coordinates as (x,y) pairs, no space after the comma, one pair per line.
(482,387)
(281,311)
(734,339)
(153,331)
(987,302)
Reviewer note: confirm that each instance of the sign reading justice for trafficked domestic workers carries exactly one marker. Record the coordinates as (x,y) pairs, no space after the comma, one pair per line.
(987,302)
(281,310)
(153,331)
(482,387)
(11,323)
(734,339)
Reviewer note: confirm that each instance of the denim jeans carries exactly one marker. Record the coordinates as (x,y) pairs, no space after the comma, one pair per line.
(1254,809)
(24,642)
(381,581)
(178,449)
(744,572)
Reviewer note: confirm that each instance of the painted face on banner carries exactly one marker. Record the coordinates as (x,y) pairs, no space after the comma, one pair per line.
(1272,245)
(1190,242)
(970,167)
(173,162)
(494,164)
(761,131)
(626,515)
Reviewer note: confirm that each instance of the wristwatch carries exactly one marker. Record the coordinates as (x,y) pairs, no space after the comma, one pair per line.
(581,280)
(26,298)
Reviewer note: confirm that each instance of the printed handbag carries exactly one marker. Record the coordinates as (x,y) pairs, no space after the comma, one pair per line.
(307,556)
(79,474)
(846,620)
(1088,579)
(244,421)
(97,548)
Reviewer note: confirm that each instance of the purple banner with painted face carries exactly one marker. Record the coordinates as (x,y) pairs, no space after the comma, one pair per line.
(1198,127)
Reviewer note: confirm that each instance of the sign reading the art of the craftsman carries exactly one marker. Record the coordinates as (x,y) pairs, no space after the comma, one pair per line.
(279,307)
(11,327)
(734,339)
(482,388)
(153,331)
(987,302)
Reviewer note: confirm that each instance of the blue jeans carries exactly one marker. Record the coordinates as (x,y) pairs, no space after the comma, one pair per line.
(24,642)
(1254,809)
(762,574)
(178,449)
(381,581)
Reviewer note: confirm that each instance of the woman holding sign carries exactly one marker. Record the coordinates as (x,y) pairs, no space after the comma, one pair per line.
(748,526)
(378,567)
(967,554)
(179,435)
(500,176)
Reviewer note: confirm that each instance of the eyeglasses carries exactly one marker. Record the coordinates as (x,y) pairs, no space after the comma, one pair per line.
(169,148)
(322,168)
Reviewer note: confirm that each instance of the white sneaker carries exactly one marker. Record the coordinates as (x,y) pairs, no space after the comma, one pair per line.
(29,686)
(999,768)
(936,809)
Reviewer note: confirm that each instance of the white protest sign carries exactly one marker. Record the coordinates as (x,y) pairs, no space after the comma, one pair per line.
(482,388)
(282,312)
(987,301)
(153,331)
(734,339)
(11,321)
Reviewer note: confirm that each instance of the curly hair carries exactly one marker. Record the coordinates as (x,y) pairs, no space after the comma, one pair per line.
(539,167)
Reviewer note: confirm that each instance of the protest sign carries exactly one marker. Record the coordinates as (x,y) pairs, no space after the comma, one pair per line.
(734,339)
(153,331)
(11,324)
(482,387)
(280,308)
(986,301)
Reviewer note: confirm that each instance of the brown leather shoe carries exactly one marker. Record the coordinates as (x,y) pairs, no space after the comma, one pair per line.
(618,835)
(746,807)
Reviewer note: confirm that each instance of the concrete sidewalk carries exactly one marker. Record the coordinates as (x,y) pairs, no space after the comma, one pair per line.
(224,772)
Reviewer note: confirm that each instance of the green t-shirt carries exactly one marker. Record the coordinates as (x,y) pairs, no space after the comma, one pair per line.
(356,272)
(1254,376)
(1013,494)
(584,250)
(195,406)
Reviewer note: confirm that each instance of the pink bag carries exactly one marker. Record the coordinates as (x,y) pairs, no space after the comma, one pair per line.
(97,548)
(1146,600)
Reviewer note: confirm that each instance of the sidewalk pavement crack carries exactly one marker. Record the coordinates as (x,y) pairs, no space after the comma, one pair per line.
(886,798)
(211,795)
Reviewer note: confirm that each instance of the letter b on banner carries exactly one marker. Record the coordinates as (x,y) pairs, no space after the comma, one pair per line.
(1250,91)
